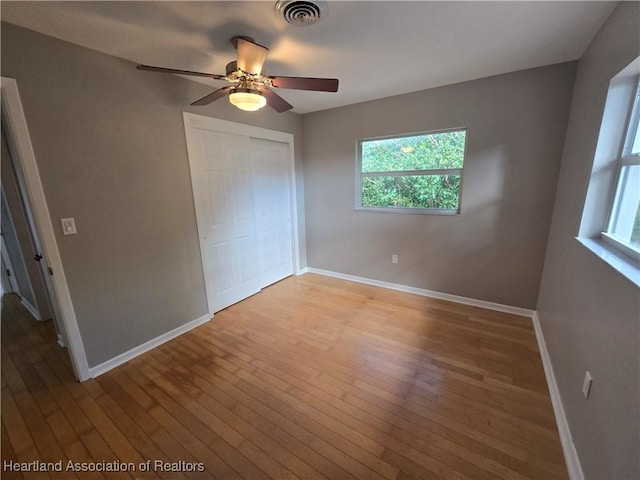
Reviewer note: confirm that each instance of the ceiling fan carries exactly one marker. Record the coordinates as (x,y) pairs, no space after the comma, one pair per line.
(250,88)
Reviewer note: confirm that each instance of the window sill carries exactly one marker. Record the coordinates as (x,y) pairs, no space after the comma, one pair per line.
(623,264)
(419,211)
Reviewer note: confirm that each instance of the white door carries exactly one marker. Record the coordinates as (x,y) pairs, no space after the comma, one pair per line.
(15,259)
(271,181)
(226,217)
(10,283)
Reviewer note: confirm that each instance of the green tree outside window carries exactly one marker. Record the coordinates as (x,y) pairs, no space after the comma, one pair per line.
(413,172)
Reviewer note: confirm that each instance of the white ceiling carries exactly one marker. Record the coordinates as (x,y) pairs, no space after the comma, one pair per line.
(376,48)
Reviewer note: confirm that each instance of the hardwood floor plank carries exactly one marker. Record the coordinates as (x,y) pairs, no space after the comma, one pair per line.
(120,444)
(43,438)
(17,432)
(186,428)
(280,401)
(313,378)
(230,439)
(373,433)
(66,403)
(131,417)
(394,397)
(100,451)
(271,428)
(203,391)
(29,456)
(10,373)
(143,443)
(79,453)
(8,454)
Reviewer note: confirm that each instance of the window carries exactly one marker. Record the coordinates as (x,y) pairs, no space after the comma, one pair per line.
(419,173)
(609,227)
(623,227)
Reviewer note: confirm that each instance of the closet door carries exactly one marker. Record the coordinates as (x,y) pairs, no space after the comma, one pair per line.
(223,189)
(272,193)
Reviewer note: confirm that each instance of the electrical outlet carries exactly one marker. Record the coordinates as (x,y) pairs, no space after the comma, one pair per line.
(394,258)
(586,384)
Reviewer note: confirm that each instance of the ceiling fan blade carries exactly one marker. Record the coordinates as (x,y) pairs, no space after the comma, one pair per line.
(275,101)
(303,83)
(212,97)
(180,72)
(251,56)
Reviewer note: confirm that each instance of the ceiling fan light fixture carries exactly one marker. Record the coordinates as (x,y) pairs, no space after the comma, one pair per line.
(248,99)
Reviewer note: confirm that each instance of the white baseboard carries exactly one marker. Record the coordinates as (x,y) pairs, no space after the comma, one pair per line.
(32,310)
(568,447)
(302,271)
(61,341)
(145,347)
(427,293)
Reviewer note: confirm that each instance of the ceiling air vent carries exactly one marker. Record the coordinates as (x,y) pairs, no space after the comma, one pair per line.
(301,12)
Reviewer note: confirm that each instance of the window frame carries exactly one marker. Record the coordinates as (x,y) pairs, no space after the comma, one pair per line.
(626,158)
(407,173)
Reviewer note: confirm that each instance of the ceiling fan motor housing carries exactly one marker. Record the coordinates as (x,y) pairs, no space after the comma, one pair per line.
(302,12)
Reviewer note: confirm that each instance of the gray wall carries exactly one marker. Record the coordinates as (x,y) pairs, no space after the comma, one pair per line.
(110,145)
(589,313)
(494,250)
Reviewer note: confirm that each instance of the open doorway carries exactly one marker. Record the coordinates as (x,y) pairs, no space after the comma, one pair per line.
(39,248)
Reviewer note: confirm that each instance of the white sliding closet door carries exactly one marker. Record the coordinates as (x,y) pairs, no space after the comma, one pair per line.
(242,178)
(223,189)
(272,194)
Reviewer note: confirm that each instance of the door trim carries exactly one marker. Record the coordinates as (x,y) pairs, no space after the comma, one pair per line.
(27,169)
(194,121)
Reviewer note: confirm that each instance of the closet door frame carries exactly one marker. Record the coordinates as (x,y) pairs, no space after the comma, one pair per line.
(194,122)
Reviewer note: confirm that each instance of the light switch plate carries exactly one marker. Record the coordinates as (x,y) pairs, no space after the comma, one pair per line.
(68,226)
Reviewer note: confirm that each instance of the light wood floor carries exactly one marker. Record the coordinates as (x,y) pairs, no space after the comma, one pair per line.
(314,378)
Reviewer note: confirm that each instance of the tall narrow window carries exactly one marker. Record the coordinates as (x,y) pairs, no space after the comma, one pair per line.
(623,228)
(419,173)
